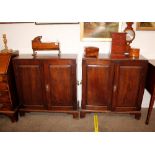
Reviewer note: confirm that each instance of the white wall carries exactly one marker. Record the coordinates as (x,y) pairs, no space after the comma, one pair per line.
(19,37)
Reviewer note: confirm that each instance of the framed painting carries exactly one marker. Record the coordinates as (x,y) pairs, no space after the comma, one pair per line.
(98,31)
(145,26)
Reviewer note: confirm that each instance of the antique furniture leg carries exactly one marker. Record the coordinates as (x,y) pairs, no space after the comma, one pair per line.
(152,100)
(82,114)
(13,117)
(76,115)
(22,114)
(138,116)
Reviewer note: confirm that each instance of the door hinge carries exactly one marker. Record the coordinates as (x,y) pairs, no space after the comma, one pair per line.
(79,83)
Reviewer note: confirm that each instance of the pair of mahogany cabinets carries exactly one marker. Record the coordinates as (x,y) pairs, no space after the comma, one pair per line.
(49,84)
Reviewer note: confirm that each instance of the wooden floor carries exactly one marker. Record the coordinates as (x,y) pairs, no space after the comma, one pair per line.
(52,122)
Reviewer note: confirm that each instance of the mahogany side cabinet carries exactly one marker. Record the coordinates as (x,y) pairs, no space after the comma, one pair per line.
(113,84)
(46,83)
(8,92)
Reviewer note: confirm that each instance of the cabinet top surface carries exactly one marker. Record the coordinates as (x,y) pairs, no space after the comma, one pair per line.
(108,57)
(49,56)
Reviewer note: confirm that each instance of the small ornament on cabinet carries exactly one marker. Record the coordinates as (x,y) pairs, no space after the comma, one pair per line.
(91,51)
(134,53)
(130,35)
(6,50)
(37,44)
(118,46)
(5,41)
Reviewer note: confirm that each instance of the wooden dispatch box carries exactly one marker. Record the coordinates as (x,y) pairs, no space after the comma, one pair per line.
(118,46)
(91,51)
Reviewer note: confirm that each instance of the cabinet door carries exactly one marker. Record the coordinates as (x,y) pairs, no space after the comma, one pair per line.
(97,85)
(129,85)
(61,85)
(29,79)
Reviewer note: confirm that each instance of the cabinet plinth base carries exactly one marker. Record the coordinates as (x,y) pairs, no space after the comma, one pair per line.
(13,115)
(137,114)
(75,113)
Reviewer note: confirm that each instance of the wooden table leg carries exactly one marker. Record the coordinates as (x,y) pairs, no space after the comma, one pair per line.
(152,100)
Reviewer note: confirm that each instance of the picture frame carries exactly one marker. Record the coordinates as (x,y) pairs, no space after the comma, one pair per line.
(40,23)
(16,22)
(145,26)
(55,23)
(98,31)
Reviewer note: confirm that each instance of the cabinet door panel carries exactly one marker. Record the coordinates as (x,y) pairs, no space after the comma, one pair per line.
(99,81)
(61,79)
(130,85)
(30,85)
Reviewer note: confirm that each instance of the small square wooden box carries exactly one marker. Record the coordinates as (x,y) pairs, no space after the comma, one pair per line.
(134,52)
(91,51)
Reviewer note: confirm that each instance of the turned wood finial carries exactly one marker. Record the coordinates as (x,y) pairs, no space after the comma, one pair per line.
(129,25)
